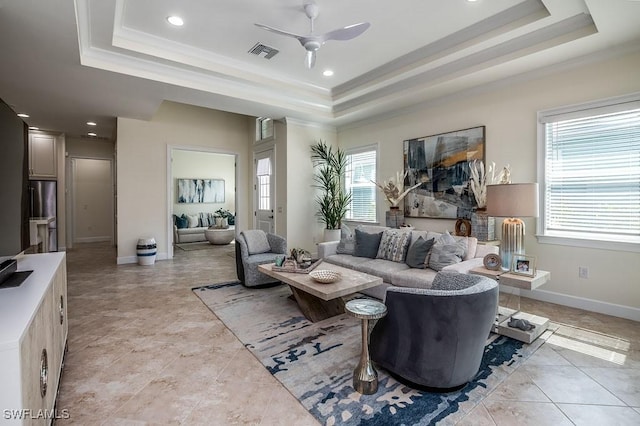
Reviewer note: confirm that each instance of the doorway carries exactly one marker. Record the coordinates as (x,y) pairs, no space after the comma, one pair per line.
(186,163)
(92,200)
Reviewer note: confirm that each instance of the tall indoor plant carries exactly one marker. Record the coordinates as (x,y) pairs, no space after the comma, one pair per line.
(330,166)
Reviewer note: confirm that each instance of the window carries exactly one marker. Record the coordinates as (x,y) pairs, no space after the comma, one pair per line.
(361,171)
(591,174)
(263,174)
(264,129)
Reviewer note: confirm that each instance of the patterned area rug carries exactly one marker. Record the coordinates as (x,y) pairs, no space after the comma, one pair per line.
(315,361)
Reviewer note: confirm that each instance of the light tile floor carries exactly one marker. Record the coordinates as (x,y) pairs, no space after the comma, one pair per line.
(144,350)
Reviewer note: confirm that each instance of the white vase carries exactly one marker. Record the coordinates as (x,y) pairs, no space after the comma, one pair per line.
(331,235)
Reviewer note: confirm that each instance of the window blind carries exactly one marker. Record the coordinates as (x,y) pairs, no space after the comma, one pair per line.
(361,171)
(592,177)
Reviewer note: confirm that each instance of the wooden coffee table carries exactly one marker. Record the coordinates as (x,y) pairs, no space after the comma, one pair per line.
(320,301)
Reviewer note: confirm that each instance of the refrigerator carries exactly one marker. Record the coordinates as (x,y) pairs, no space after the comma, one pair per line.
(43,203)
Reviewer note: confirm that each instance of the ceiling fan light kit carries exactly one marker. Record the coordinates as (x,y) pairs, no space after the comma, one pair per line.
(312,42)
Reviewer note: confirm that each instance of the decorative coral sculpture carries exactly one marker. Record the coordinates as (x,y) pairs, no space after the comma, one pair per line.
(394,191)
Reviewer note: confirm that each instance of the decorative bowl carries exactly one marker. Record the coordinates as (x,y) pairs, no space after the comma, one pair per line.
(325,276)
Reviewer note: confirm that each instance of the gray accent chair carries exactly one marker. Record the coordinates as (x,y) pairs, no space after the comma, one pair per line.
(436,337)
(247,263)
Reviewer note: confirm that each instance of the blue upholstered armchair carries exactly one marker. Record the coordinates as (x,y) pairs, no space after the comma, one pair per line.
(436,337)
(255,247)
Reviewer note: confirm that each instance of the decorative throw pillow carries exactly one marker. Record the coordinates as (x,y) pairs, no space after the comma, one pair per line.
(445,252)
(182,222)
(347,241)
(194,220)
(418,251)
(257,241)
(393,245)
(367,244)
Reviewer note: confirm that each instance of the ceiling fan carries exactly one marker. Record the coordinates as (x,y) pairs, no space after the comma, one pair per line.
(312,42)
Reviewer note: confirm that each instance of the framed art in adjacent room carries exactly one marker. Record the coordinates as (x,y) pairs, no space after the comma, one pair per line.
(441,163)
(523,265)
(200,190)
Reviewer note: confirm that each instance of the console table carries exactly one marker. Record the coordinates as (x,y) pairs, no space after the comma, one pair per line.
(516,282)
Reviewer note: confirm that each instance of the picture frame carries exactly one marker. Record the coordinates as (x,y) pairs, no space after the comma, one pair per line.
(463,227)
(523,265)
(492,262)
(192,191)
(440,163)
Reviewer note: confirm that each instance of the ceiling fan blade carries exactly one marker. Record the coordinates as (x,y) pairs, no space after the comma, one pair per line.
(281,32)
(310,59)
(346,33)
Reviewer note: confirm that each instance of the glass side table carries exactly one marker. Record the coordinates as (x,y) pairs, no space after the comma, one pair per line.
(365,377)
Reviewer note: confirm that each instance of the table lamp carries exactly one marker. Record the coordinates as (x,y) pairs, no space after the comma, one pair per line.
(512,201)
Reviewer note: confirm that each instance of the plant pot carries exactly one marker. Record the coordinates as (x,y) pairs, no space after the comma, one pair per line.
(331,235)
(394,217)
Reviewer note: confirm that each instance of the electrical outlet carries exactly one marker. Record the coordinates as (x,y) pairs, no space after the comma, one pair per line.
(583,272)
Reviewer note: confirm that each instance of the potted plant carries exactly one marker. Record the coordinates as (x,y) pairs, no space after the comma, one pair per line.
(330,166)
(222,218)
(394,192)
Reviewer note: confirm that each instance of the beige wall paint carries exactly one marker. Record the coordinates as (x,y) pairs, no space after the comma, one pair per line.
(509,114)
(142,167)
(303,226)
(204,165)
(90,148)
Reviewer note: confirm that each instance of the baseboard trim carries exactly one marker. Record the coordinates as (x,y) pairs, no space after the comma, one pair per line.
(606,308)
(123,260)
(93,239)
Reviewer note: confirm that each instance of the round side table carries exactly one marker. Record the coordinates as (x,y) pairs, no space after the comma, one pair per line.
(365,377)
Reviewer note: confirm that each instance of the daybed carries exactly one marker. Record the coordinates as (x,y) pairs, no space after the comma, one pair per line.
(403,257)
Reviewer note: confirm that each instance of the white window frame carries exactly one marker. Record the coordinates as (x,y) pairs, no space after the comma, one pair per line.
(605,106)
(268,134)
(358,150)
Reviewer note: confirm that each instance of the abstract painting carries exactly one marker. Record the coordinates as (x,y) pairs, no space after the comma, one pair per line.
(441,163)
(200,190)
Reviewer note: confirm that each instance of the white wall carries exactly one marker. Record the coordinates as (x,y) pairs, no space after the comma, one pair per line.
(204,165)
(509,114)
(142,167)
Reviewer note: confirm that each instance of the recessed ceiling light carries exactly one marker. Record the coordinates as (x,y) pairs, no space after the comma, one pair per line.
(92,134)
(91,123)
(327,73)
(33,128)
(471,1)
(175,20)
(23,115)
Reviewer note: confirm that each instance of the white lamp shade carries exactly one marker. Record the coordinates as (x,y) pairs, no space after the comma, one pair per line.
(513,200)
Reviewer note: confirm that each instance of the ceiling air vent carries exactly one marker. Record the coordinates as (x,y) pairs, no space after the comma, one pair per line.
(259,49)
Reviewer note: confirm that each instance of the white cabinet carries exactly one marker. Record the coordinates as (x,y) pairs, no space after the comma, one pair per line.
(42,156)
(33,335)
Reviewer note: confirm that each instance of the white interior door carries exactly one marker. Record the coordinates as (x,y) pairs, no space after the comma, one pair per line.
(263,190)
(92,205)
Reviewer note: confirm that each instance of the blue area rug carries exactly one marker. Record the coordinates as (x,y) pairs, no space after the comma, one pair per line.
(315,361)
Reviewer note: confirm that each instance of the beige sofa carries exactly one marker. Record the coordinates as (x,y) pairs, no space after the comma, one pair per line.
(399,274)
(188,235)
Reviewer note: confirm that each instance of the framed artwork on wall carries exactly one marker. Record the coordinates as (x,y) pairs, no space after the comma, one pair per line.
(441,163)
(200,191)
